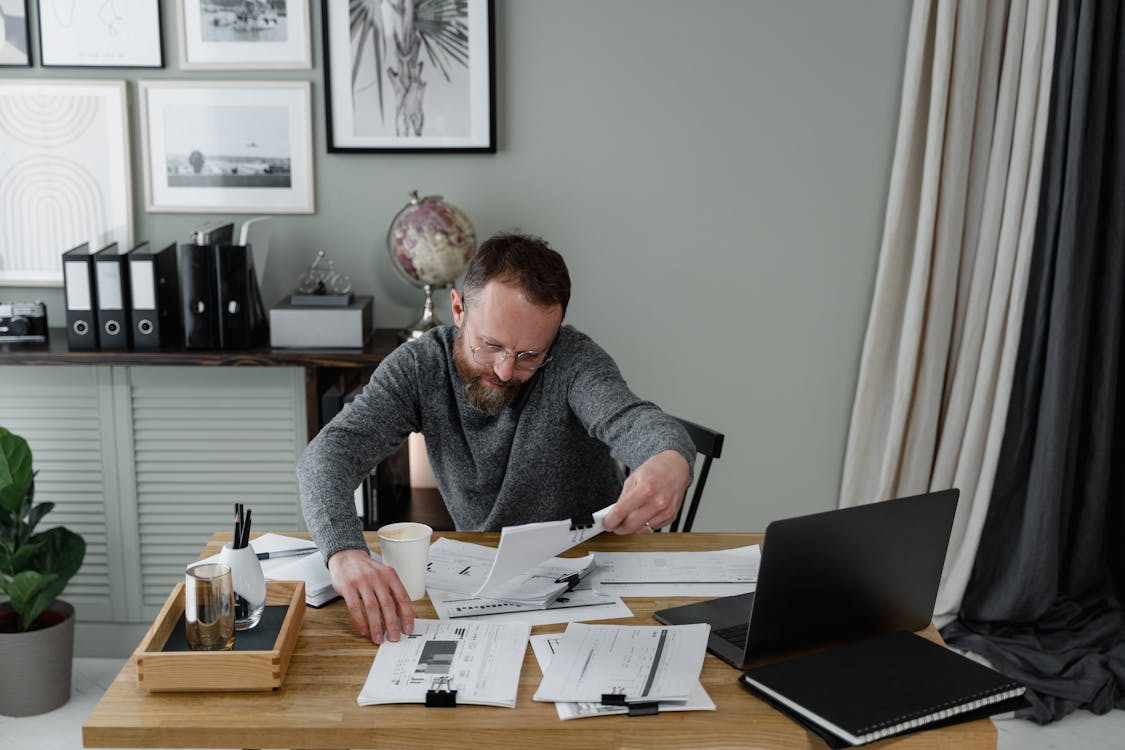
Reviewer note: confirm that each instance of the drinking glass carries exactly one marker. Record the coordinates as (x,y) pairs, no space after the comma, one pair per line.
(209,607)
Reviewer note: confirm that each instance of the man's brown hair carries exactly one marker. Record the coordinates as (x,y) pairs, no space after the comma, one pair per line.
(523,261)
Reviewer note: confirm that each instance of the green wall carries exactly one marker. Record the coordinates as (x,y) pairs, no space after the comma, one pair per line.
(715,173)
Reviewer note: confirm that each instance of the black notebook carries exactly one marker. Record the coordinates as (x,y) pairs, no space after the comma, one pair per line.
(882,686)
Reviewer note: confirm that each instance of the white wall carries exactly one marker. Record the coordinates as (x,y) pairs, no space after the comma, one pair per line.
(715,173)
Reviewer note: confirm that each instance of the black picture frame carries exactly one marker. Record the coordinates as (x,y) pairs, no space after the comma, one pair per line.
(129,34)
(11,54)
(368,110)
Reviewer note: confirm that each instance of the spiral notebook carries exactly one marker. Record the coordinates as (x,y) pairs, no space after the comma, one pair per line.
(882,686)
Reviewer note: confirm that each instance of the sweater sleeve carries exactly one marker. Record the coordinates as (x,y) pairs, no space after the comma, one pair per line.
(365,432)
(634,429)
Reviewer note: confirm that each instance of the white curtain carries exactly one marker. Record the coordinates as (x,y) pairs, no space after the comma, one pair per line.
(944,327)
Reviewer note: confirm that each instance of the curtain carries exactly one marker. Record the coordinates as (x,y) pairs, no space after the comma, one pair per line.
(943,332)
(1044,602)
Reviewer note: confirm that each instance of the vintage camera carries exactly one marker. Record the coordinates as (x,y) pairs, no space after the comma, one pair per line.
(23,321)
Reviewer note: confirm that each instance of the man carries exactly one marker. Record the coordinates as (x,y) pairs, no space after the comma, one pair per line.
(524,418)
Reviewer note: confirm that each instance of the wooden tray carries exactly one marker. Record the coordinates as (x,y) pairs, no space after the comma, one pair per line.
(159,670)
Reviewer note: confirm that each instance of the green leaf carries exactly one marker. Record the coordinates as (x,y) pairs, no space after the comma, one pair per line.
(34,514)
(26,591)
(15,470)
(60,552)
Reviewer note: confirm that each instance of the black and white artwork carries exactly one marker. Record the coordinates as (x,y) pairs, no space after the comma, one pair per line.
(100,33)
(13,33)
(64,174)
(235,147)
(232,34)
(409,76)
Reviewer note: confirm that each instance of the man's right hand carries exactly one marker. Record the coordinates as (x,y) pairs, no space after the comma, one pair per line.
(376,599)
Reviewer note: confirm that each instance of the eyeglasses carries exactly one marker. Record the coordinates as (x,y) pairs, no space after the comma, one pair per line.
(491,355)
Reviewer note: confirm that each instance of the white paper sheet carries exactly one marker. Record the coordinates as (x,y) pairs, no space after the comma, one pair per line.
(581,604)
(642,663)
(481,661)
(545,646)
(523,547)
(719,573)
(461,567)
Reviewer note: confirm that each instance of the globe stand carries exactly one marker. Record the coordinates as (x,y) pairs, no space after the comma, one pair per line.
(424,323)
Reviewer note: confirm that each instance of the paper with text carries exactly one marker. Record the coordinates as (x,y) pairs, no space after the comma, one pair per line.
(718,573)
(639,662)
(481,661)
(545,646)
(523,547)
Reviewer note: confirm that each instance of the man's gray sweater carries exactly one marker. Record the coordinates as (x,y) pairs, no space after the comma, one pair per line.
(549,456)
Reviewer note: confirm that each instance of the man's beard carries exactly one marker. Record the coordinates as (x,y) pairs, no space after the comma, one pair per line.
(490,400)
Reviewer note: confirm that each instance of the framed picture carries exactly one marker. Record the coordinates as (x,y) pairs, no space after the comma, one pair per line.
(409,76)
(118,34)
(231,147)
(64,174)
(14,48)
(244,34)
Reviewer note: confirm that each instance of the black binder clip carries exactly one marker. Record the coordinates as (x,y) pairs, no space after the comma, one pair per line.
(441,698)
(648,708)
(585,521)
(571,580)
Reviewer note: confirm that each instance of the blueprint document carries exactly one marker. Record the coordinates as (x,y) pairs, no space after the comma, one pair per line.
(480,660)
(641,663)
(545,646)
(523,547)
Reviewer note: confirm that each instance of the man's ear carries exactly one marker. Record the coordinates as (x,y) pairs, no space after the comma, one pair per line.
(457,302)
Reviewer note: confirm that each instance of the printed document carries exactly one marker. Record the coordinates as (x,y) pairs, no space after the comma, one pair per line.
(480,660)
(641,663)
(461,568)
(547,645)
(581,604)
(718,573)
(523,547)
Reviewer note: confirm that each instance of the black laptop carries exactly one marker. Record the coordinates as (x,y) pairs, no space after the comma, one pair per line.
(834,576)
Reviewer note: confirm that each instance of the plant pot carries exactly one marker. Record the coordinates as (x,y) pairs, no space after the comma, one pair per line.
(37,663)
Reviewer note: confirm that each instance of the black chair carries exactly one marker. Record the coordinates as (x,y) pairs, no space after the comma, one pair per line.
(709,445)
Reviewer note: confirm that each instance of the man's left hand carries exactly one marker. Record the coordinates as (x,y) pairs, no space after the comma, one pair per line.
(651,496)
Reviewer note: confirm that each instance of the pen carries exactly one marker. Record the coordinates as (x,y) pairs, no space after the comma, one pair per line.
(286,553)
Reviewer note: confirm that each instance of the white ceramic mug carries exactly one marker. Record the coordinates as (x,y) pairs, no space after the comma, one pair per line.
(406,548)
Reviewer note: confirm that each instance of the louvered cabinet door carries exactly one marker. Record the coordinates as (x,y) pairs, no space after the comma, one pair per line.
(66,414)
(202,439)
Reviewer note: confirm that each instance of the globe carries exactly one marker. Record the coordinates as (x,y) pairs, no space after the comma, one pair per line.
(430,242)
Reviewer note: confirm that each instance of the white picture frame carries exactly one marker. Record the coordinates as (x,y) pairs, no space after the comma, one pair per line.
(446,103)
(64,174)
(15,47)
(120,34)
(260,35)
(227,146)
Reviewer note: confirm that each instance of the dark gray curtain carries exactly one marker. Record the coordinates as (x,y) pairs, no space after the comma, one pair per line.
(1044,602)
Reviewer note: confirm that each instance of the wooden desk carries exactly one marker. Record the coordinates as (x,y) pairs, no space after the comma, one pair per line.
(316,706)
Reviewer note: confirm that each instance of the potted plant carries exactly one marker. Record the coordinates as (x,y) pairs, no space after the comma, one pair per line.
(36,629)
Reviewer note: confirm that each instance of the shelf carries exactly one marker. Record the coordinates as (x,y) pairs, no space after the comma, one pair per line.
(55,352)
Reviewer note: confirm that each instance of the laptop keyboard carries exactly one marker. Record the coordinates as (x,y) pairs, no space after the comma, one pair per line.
(735,634)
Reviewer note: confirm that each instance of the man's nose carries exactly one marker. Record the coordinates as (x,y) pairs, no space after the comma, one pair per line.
(505,369)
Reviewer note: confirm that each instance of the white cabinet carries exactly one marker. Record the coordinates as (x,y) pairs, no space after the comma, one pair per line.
(146,462)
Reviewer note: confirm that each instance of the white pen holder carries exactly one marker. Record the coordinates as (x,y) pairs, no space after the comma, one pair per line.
(249,585)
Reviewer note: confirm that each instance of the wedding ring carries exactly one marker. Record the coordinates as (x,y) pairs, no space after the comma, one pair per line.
(650,529)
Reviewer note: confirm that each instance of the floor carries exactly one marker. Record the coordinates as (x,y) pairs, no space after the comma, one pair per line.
(61,729)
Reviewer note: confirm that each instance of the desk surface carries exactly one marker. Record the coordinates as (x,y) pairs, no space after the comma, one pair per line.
(316,706)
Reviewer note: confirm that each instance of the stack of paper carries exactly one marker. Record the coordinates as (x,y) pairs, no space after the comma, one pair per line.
(717,573)
(457,570)
(481,661)
(547,645)
(637,664)
(312,570)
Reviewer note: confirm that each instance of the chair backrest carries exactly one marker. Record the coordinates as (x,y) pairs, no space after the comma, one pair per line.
(709,445)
